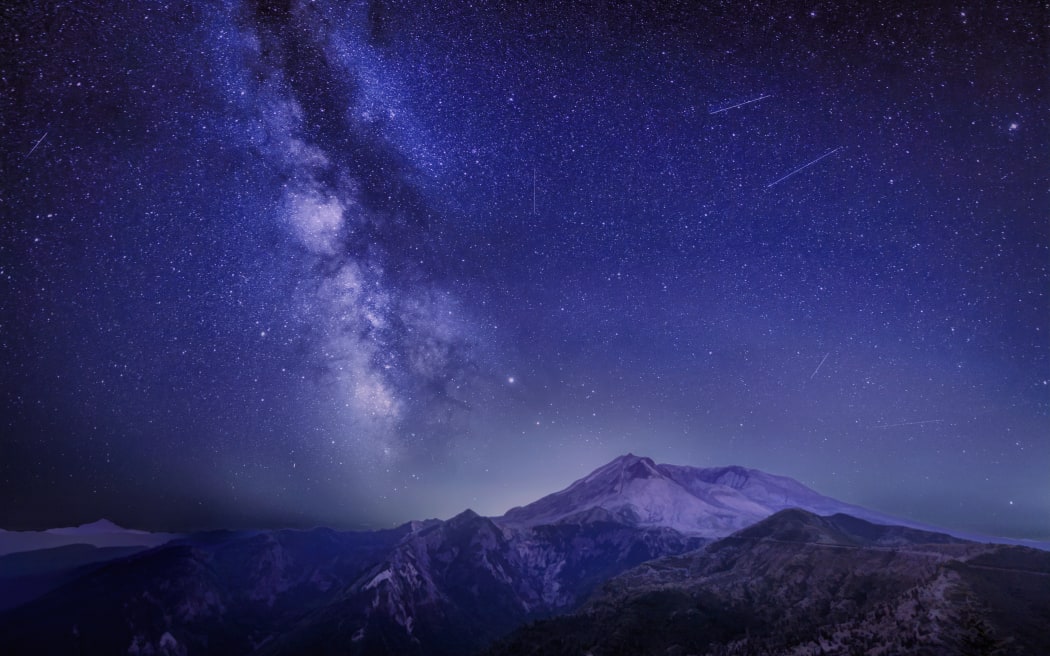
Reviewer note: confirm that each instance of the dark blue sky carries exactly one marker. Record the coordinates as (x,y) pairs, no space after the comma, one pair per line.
(356,263)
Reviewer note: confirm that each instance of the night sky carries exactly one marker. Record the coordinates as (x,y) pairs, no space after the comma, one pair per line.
(351,263)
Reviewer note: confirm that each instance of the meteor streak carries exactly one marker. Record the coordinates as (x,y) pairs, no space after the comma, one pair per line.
(803,167)
(819,366)
(746,102)
(38,142)
(910,423)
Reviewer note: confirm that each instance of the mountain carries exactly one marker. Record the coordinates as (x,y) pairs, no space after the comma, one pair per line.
(217,593)
(101,533)
(626,551)
(710,503)
(456,586)
(437,587)
(26,575)
(97,527)
(797,583)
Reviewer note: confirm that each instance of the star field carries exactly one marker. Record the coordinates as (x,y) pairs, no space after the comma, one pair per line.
(298,263)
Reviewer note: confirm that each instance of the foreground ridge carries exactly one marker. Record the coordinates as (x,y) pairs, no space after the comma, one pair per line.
(798,583)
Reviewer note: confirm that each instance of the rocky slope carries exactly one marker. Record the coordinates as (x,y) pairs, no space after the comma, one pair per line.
(222,593)
(801,584)
(427,588)
(453,588)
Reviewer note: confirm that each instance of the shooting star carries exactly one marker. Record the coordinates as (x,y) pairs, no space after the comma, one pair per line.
(819,366)
(38,142)
(533,190)
(910,423)
(746,102)
(804,167)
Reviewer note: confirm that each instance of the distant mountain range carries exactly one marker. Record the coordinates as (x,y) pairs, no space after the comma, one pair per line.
(102,533)
(634,558)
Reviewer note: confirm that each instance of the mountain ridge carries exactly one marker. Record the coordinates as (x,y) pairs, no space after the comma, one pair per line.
(800,584)
(444,587)
(706,502)
(100,533)
(102,525)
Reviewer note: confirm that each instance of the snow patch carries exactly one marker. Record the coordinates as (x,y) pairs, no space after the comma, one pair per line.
(385,575)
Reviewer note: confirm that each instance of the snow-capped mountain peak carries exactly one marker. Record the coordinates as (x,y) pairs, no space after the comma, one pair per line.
(708,502)
(611,478)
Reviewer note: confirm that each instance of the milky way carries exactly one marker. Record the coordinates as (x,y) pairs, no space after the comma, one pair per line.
(394,348)
(289,263)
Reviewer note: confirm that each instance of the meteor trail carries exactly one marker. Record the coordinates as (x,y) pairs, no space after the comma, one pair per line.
(38,141)
(803,167)
(819,366)
(910,423)
(746,102)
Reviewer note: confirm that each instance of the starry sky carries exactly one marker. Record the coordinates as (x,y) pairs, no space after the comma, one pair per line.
(288,263)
